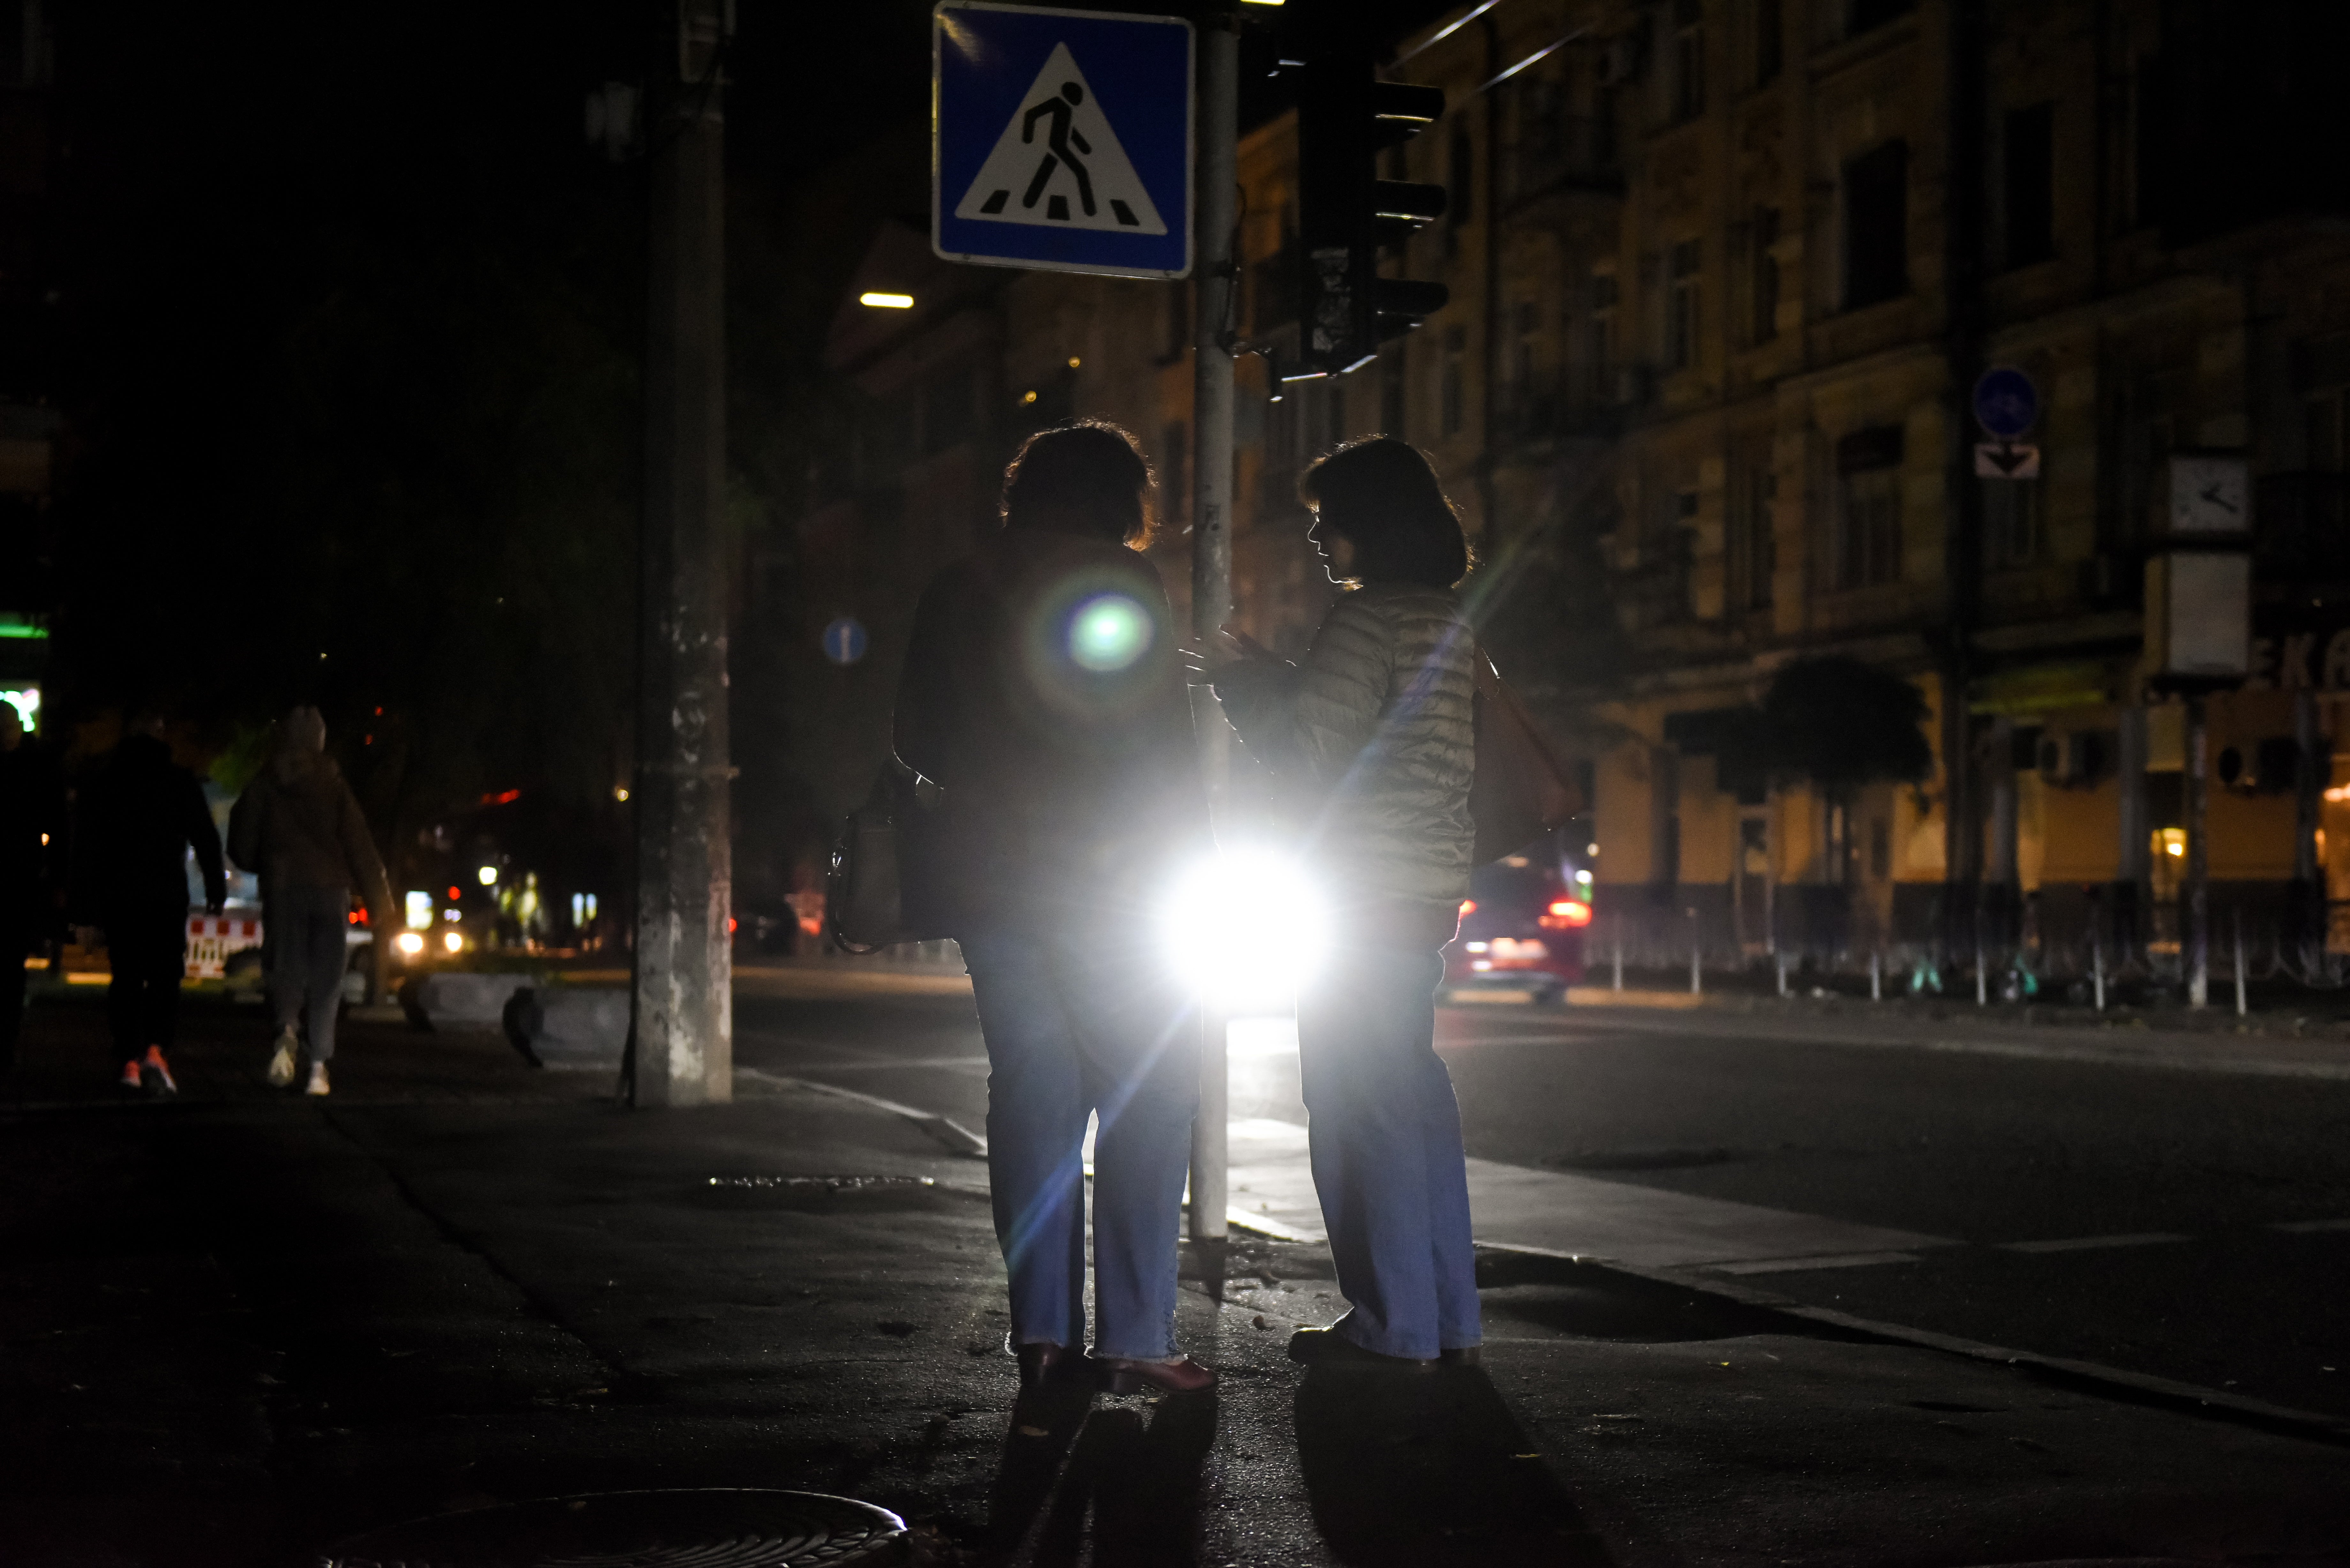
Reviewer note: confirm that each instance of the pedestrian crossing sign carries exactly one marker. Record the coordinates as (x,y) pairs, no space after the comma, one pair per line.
(1061,140)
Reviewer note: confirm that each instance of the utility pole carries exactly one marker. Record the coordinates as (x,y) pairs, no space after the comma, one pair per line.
(2197,945)
(1214,273)
(1964,201)
(680,1043)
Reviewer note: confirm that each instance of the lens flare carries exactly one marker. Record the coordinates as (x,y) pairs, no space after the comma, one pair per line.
(1246,930)
(1109,632)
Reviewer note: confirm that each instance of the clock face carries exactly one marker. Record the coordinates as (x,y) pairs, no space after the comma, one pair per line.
(2210,495)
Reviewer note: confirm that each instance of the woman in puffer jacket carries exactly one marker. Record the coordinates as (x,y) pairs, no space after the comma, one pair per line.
(1373,729)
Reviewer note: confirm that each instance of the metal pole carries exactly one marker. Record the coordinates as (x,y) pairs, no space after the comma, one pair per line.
(1982,979)
(2199,861)
(2308,917)
(2097,966)
(1697,952)
(1214,274)
(1877,974)
(2240,960)
(1619,952)
(681,1050)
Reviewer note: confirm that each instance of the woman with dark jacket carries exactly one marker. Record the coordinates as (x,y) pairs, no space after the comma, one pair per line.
(1374,732)
(1043,691)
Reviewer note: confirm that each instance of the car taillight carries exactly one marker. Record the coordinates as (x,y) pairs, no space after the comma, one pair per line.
(1567,913)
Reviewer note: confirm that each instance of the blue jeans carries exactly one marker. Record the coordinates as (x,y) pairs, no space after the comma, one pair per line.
(1075,1026)
(1385,1135)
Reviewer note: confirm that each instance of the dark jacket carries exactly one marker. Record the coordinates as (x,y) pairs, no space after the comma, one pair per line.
(1042,691)
(137,818)
(298,826)
(1376,729)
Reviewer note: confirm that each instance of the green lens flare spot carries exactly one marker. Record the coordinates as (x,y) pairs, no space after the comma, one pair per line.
(1109,632)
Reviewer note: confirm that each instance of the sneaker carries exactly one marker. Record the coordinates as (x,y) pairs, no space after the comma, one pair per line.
(130,1079)
(281,1061)
(155,1074)
(319,1084)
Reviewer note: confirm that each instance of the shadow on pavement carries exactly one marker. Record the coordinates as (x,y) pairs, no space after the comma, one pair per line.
(1132,1472)
(1430,1471)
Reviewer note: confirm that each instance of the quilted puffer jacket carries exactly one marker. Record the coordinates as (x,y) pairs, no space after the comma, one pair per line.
(1376,729)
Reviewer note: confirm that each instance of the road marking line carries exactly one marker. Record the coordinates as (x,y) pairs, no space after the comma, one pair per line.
(1834,1261)
(2094,1243)
(2305,1227)
(952,1134)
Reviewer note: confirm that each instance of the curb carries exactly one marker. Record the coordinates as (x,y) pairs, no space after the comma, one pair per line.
(2190,1399)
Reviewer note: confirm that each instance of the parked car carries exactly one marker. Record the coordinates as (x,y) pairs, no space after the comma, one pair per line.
(1522,930)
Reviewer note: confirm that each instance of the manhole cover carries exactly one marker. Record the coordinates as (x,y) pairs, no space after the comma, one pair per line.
(713,1528)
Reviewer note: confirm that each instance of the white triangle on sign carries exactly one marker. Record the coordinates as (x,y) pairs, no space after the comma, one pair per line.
(1058,164)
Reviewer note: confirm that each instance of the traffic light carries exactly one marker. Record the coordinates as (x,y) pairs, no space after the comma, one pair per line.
(1346,117)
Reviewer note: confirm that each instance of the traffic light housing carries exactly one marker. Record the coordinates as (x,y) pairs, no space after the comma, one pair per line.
(1345,118)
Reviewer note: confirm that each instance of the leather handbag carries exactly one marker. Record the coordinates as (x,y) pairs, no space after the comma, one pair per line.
(1520,790)
(886,883)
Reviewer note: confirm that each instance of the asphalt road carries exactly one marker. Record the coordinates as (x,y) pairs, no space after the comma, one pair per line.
(2203,1220)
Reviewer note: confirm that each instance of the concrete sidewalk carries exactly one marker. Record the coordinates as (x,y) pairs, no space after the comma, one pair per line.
(245,1324)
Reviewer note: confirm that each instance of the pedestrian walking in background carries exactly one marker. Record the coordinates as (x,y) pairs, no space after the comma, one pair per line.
(298,828)
(1374,734)
(138,819)
(32,840)
(1042,689)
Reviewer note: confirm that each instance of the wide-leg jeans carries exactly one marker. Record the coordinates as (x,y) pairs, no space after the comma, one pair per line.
(1384,1133)
(1079,1025)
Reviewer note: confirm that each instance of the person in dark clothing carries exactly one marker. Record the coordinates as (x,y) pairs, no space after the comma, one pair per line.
(140,816)
(32,837)
(1042,691)
(300,828)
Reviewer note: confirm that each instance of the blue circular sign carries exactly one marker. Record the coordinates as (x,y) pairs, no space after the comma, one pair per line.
(2006,402)
(844,640)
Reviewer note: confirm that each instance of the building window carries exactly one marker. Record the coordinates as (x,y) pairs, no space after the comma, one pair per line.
(1876,226)
(1766,274)
(1689,59)
(1452,412)
(1681,306)
(1760,536)
(1868,510)
(1599,338)
(1770,42)
(1866,15)
(2011,509)
(2029,167)
(1459,188)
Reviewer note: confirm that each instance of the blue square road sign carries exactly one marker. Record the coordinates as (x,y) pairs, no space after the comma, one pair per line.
(1061,140)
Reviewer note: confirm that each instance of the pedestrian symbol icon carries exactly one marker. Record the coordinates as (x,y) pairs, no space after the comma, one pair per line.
(1057,162)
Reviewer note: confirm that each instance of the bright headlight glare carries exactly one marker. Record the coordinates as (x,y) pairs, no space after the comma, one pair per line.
(410,944)
(1109,632)
(1246,930)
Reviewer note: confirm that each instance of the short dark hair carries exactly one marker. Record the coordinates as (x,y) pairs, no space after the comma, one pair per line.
(1086,477)
(1384,496)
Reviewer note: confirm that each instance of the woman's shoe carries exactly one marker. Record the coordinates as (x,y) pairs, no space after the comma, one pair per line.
(1328,1347)
(1042,1362)
(1115,1375)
